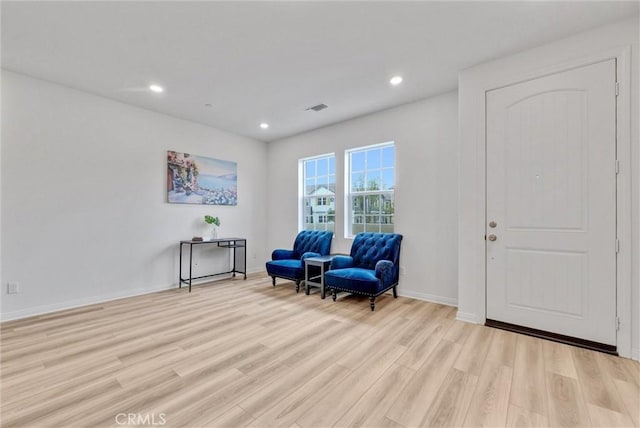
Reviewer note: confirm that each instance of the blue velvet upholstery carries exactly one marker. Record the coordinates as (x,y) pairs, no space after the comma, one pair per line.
(372,268)
(289,264)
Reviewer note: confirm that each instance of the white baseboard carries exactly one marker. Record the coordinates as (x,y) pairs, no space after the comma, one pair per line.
(635,354)
(75,303)
(449,301)
(93,300)
(467,317)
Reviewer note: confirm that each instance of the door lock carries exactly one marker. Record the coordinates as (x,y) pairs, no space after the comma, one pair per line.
(492,224)
(492,237)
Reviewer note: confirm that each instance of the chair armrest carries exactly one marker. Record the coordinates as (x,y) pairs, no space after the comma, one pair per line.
(385,271)
(282,254)
(341,262)
(309,254)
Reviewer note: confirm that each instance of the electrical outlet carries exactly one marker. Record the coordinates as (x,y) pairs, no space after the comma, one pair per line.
(13,287)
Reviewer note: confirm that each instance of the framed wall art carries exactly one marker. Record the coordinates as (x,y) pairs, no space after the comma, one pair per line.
(201,180)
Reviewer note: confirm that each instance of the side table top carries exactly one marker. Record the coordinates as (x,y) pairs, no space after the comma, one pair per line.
(323,259)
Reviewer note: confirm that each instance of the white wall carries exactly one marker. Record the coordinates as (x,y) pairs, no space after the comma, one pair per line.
(472,85)
(84,216)
(425,134)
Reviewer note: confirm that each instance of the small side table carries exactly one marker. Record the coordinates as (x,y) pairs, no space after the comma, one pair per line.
(323,263)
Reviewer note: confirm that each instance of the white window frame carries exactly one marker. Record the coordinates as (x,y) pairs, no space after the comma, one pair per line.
(301,188)
(347,188)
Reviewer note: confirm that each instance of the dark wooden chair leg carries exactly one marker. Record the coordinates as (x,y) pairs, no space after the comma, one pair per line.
(395,292)
(297,286)
(372,303)
(273,280)
(334,295)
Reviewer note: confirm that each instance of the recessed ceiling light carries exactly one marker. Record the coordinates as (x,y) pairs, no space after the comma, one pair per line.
(156,88)
(208,105)
(264,125)
(396,80)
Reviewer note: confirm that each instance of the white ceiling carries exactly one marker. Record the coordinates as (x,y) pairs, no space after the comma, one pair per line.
(269,61)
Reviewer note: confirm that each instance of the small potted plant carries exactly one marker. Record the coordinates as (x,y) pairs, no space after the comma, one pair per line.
(214,222)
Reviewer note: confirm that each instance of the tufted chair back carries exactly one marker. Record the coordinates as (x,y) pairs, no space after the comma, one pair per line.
(316,241)
(369,248)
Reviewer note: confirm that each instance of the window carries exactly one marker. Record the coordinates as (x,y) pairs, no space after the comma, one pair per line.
(370,185)
(318,187)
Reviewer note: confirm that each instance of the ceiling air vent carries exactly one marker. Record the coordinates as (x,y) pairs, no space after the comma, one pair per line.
(318,107)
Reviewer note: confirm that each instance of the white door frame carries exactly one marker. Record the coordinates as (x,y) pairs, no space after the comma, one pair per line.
(477,264)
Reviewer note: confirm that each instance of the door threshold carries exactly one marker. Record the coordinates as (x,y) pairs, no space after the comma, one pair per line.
(554,337)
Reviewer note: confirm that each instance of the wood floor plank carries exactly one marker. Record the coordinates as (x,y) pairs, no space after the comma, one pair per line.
(557,359)
(243,353)
(233,418)
(630,395)
(596,384)
(414,400)
(383,392)
(262,400)
(503,347)
(283,410)
(452,401)
(475,349)
(528,389)
(490,404)
(602,417)
(519,417)
(566,404)
(349,391)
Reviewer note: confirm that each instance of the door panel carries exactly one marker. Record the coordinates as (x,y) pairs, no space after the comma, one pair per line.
(551,192)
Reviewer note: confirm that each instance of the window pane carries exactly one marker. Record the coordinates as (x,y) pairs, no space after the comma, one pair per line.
(388,179)
(310,168)
(357,161)
(310,186)
(332,183)
(323,181)
(357,182)
(357,204)
(373,180)
(323,166)
(373,158)
(388,157)
(332,165)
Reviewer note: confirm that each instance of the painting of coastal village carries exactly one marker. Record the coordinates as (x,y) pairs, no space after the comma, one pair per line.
(201,180)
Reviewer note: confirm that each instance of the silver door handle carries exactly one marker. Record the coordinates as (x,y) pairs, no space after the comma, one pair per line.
(492,237)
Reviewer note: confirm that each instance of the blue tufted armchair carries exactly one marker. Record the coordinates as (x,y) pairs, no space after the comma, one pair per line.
(372,268)
(289,264)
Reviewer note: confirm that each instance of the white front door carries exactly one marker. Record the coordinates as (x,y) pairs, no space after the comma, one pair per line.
(551,203)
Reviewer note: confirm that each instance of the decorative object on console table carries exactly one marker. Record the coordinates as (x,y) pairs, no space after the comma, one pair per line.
(214,223)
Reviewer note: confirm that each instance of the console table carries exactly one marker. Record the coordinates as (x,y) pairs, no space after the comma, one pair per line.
(235,245)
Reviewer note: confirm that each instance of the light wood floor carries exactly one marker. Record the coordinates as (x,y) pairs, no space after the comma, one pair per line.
(242,353)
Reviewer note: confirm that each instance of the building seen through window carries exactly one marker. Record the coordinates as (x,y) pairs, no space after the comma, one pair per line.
(319,187)
(370,199)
